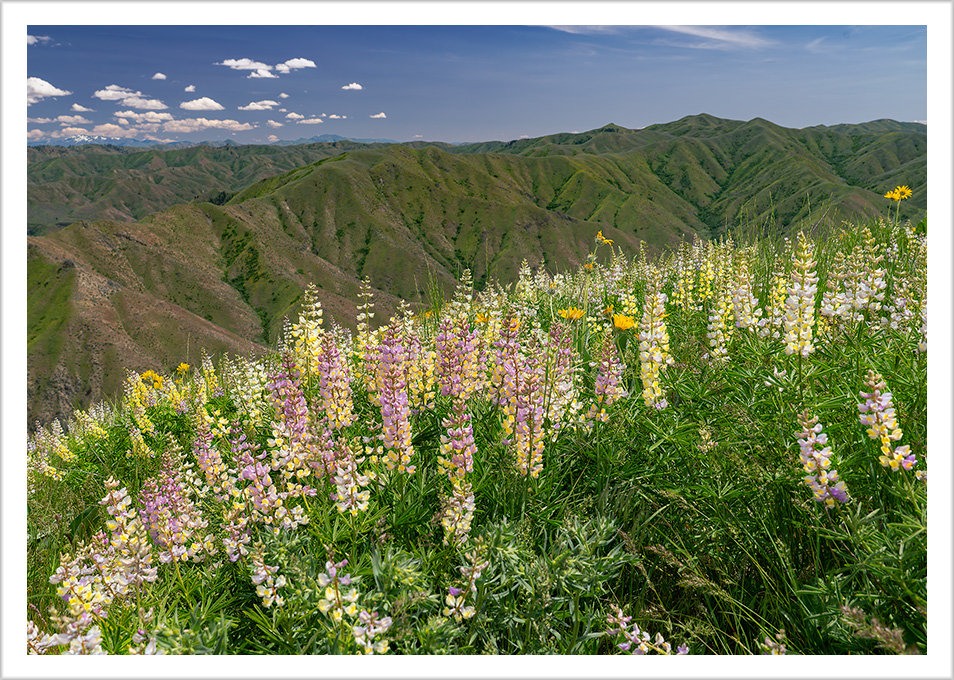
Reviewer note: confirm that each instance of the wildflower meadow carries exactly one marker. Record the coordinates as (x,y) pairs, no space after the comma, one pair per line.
(720,450)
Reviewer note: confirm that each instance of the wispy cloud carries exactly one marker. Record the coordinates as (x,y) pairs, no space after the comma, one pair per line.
(717,38)
(39,121)
(352,86)
(378,115)
(38,89)
(264,105)
(159,76)
(201,104)
(38,39)
(589,30)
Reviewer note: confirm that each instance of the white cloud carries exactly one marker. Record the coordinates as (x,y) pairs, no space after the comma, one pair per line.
(159,76)
(264,105)
(72,120)
(243,64)
(283,96)
(272,138)
(35,134)
(39,121)
(190,88)
(352,86)
(298,62)
(587,30)
(262,73)
(334,116)
(80,109)
(148,117)
(378,115)
(283,110)
(719,38)
(274,124)
(127,97)
(38,89)
(201,104)
(69,131)
(418,136)
(294,116)
(310,121)
(142,103)
(185,125)
(111,130)
(36,39)
(115,93)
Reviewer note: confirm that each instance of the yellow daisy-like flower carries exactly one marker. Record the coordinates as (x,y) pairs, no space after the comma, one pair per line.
(892,195)
(480,318)
(623,322)
(903,192)
(182,368)
(588,265)
(572,313)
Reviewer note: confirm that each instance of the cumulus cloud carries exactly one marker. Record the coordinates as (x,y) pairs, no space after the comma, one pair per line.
(243,64)
(148,117)
(159,76)
(378,115)
(37,39)
(298,62)
(72,120)
(38,89)
(310,121)
(190,88)
(274,124)
(201,104)
(70,131)
(283,96)
(39,121)
(262,70)
(335,116)
(186,125)
(272,138)
(264,105)
(80,109)
(294,116)
(127,97)
(352,86)
(33,135)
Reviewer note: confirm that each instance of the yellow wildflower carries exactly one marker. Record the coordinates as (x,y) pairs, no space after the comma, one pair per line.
(623,322)
(572,313)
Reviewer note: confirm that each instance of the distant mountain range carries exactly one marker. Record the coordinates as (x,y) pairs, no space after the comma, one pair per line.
(83,140)
(228,238)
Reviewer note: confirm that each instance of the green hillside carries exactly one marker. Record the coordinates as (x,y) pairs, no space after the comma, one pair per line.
(224,273)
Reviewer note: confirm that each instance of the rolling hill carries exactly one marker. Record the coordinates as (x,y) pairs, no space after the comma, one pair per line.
(107,294)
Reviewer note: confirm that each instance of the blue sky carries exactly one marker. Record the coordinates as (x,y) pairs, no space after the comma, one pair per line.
(255,84)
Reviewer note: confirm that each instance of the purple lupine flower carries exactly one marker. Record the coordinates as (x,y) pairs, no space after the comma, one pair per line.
(822,480)
(335,386)
(878,414)
(609,381)
(395,408)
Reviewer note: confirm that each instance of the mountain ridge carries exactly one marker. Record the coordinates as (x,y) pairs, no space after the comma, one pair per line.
(222,269)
